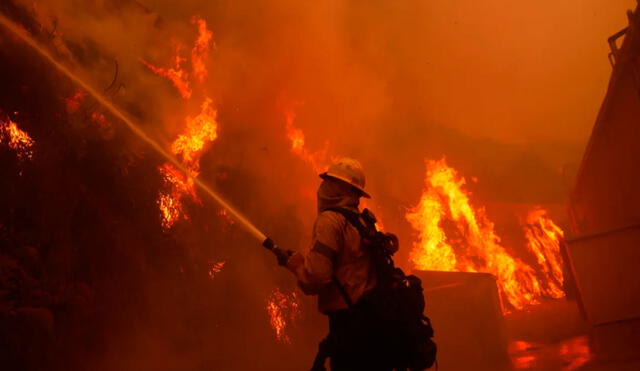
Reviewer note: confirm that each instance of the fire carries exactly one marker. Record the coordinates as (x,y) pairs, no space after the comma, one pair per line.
(283,309)
(200,49)
(455,236)
(176,72)
(215,268)
(18,140)
(543,240)
(317,160)
(201,130)
(177,185)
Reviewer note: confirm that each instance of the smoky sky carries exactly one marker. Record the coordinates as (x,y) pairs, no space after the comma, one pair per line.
(507,91)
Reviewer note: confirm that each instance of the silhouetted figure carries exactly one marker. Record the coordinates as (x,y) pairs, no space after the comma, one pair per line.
(375,312)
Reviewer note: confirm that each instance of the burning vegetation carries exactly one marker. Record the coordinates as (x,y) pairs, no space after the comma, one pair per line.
(284,310)
(199,132)
(16,139)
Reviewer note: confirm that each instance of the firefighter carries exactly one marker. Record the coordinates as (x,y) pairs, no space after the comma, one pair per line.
(339,271)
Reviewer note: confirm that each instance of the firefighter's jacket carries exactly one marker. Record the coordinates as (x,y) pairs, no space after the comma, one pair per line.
(335,250)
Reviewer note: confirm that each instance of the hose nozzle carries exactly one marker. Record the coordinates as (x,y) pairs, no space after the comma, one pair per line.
(282,255)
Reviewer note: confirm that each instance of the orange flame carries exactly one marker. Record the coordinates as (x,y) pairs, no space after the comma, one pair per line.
(283,309)
(469,244)
(318,159)
(175,73)
(543,240)
(215,268)
(200,49)
(18,140)
(200,131)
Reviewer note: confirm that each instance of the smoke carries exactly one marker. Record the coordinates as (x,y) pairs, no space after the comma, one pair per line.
(508,91)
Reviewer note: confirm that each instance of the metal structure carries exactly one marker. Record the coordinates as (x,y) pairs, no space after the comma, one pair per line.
(604,246)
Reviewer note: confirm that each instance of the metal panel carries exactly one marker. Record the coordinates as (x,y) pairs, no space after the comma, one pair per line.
(467,319)
(607,271)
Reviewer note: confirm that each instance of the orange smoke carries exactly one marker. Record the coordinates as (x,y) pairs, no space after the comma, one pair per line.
(453,235)
(18,140)
(283,309)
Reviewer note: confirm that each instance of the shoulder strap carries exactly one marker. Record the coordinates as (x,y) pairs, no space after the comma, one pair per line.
(353,219)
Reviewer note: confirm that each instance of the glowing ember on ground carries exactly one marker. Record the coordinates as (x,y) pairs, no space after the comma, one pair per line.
(283,309)
(215,268)
(16,139)
(469,243)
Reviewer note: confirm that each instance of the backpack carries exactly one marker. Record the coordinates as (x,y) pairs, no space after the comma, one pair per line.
(396,302)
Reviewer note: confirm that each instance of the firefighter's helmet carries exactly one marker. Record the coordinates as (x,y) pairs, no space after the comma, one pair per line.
(350,171)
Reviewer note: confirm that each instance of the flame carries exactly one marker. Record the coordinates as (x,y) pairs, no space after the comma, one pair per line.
(543,240)
(318,159)
(176,72)
(200,49)
(201,130)
(283,309)
(18,140)
(215,268)
(469,242)
(177,185)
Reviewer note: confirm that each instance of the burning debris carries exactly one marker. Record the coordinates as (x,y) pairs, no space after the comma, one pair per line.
(283,309)
(453,235)
(16,139)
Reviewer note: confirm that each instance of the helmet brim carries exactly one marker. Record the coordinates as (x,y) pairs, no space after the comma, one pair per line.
(326,175)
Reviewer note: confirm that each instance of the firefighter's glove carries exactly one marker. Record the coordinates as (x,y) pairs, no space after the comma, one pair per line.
(282,256)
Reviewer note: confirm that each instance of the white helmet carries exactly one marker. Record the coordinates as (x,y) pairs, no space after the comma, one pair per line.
(348,170)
